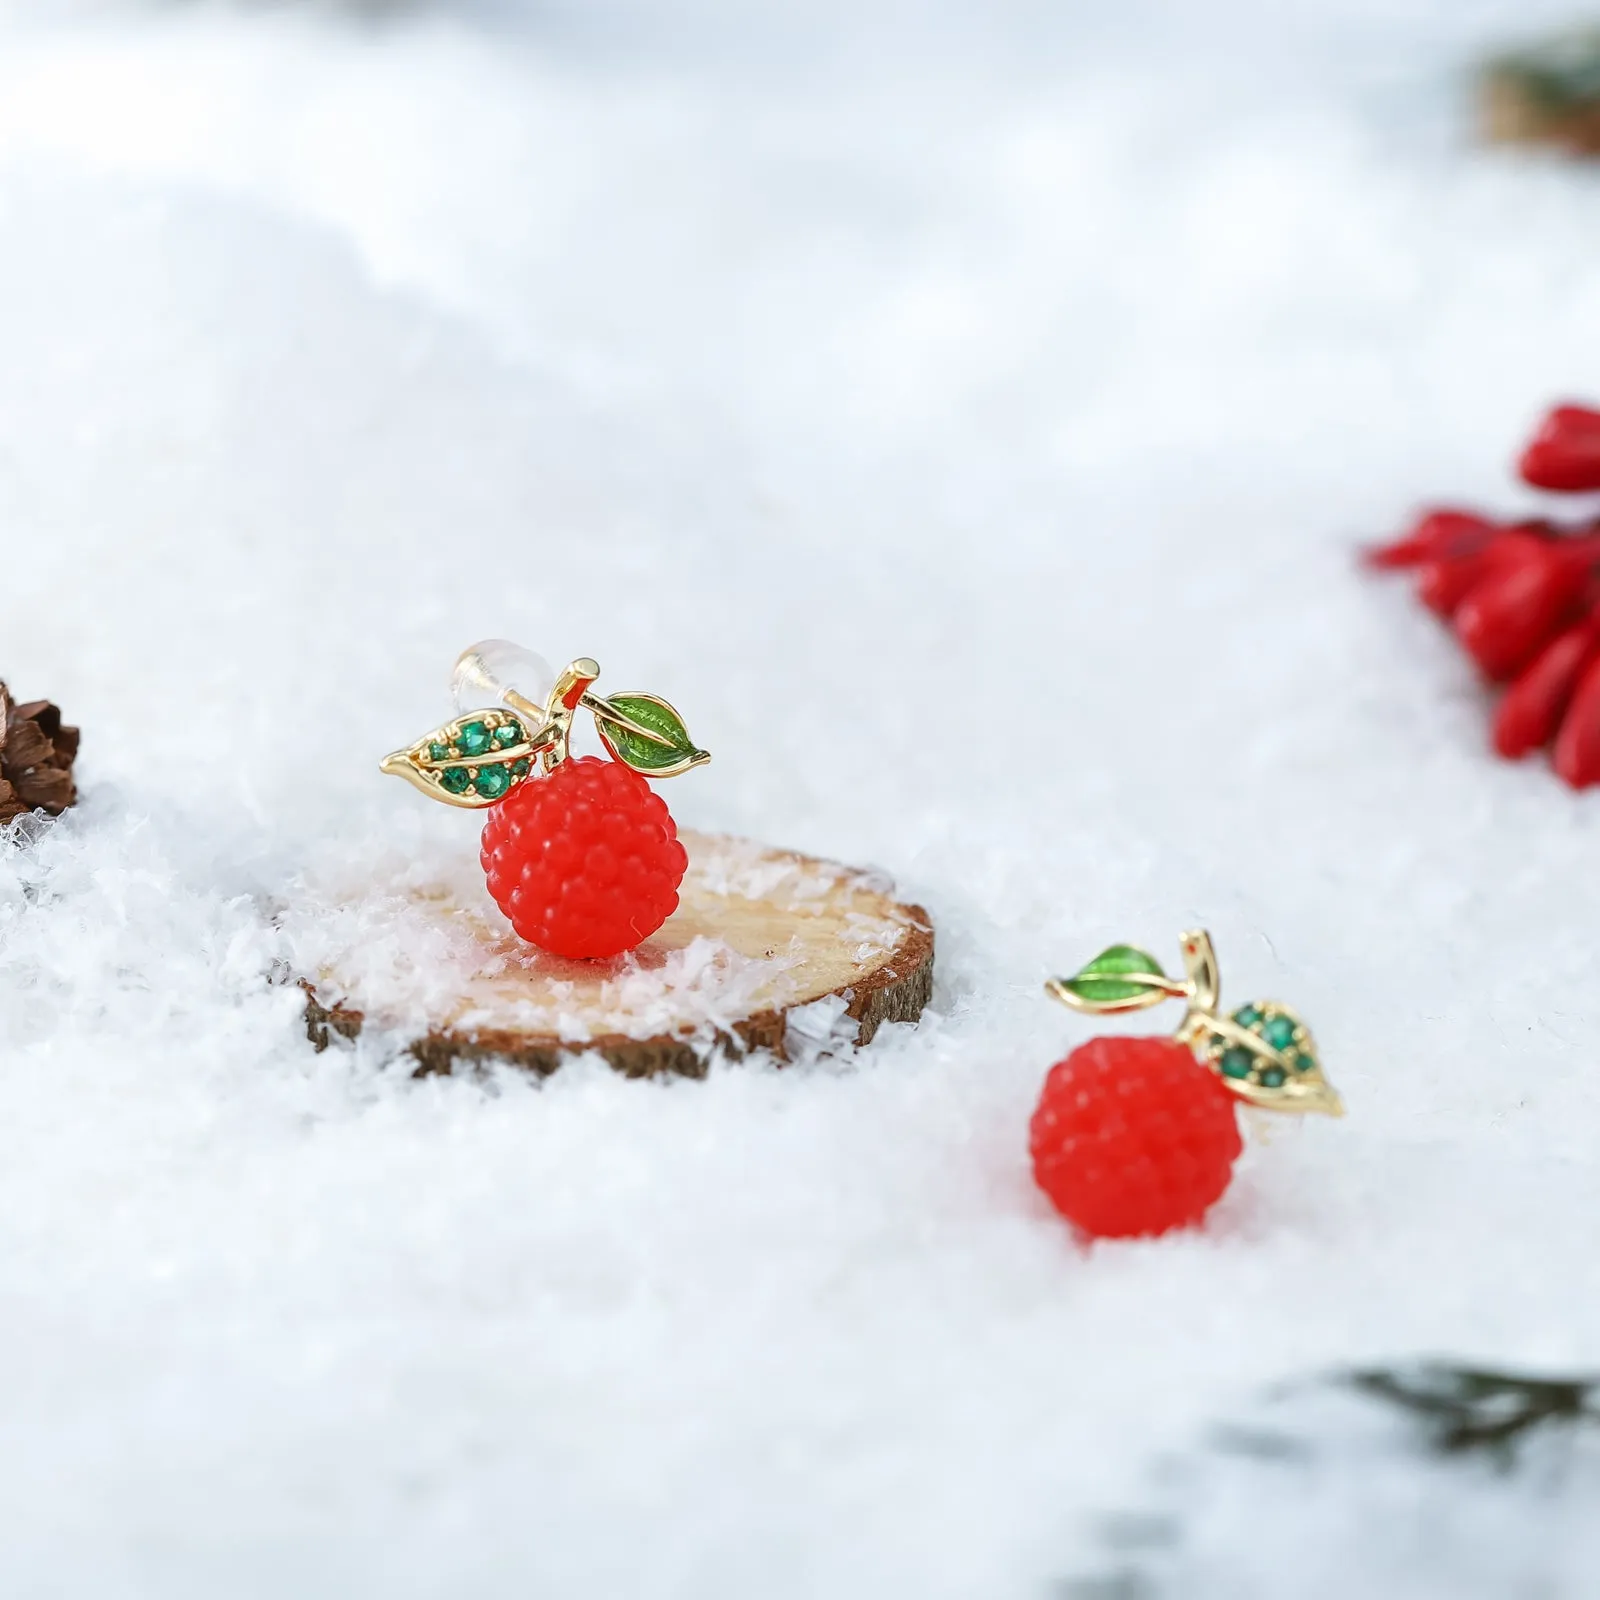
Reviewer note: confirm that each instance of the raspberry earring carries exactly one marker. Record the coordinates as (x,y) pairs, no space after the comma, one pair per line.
(580,853)
(1139,1136)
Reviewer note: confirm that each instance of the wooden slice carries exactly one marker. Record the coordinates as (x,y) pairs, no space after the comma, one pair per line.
(768,950)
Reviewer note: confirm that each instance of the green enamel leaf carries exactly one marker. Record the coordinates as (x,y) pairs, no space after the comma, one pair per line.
(670,751)
(1104,980)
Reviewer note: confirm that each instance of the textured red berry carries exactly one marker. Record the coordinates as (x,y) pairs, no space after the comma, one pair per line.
(1133,1136)
(1565,452)
(586,862)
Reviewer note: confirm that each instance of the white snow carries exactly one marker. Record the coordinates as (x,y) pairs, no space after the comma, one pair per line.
(965,414)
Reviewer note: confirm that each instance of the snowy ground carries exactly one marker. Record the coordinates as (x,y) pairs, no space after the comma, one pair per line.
(965,412)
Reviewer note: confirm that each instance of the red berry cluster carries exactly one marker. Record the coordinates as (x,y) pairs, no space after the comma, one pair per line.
(1133,1136)
(585,862)
(1524,600)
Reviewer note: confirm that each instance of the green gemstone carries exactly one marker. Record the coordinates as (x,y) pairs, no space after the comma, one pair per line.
(493,782)
(1247,1016)
(438,752)
(1236,1062)
(473,739)
(509,733)
(1280,1032)
(454,779)
(519,767)
(1272,1077)
(1303,1062)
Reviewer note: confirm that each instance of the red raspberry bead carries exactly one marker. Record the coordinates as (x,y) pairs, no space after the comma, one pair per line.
(586,862)
(1133,1136)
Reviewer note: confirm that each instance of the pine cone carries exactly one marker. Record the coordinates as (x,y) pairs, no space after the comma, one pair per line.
(36,756)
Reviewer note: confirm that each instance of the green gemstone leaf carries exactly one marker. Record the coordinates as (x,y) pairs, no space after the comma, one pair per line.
(1114,975)
(664,750)
(1271,1061)
(473,761)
